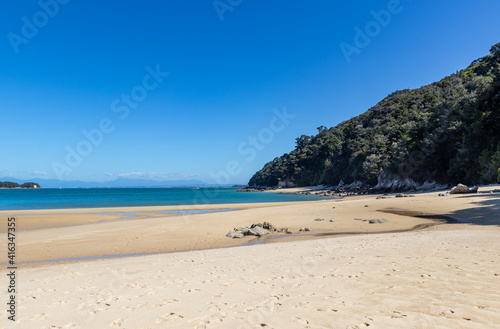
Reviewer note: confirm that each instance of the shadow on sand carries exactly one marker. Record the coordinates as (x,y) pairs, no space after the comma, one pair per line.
(487,211)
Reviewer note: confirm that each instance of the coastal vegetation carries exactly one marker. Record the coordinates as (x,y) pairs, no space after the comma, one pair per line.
(446,132)
(16,185)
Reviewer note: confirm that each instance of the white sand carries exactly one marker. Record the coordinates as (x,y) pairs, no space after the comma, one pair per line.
(438,278)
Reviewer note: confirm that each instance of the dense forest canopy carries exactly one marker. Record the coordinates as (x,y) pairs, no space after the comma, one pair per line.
(446,132)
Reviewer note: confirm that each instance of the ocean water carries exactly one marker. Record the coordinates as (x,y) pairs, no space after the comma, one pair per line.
(22,199)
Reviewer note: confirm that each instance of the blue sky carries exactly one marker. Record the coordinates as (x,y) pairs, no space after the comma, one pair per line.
(66,69)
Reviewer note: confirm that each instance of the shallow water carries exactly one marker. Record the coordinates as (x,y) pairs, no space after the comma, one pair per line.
(23,199)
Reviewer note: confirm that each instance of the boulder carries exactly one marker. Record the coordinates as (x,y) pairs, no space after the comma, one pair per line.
(249,231)
(332,221)
(304,229)
(259,231)
(462,189)
(378,221)
(234,235)
(474,189)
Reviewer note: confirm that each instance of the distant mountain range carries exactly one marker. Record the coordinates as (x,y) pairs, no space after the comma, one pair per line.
(120,182)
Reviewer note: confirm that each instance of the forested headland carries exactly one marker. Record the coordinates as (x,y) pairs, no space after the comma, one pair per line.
(16,185)
(443,133)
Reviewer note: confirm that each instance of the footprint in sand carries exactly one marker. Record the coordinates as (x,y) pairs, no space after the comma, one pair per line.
(128,308)
(301,304)
(171,301)
(117,323)
(40,316)
(70,325)
(135,285)
(299,320)
(170,317)
(202,325)
(149,293)
(362,325)
(58,303)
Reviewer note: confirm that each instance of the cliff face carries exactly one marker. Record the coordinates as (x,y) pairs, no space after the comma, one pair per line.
(442,133)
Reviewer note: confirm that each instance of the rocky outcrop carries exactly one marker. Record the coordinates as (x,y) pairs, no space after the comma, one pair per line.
(397,183)
(258,230)
(287,183)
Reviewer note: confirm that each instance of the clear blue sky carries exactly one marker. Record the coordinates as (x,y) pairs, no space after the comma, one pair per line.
(225,78)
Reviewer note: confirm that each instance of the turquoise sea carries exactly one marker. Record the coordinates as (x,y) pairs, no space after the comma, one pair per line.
(21,199)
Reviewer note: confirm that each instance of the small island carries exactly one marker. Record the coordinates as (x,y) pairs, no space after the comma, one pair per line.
(16,185)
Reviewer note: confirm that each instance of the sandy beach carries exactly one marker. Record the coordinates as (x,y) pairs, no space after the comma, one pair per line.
(412,272)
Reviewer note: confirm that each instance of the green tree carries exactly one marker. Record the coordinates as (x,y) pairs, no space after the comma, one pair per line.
(495,48)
